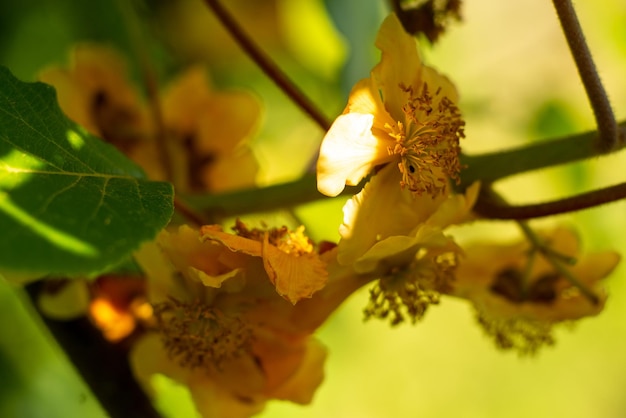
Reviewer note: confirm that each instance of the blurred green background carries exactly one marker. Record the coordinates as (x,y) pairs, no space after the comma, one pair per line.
(518,84)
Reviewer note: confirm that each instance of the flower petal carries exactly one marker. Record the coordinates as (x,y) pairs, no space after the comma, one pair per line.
(400,64)
(306,378)
(380,210)
(295,277)
(71,301)
(348,153)
(148,357)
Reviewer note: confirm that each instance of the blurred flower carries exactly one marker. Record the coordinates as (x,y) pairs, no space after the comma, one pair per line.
(210,130)
(520,296)
(224,330)
(116,305)
(203,133)
(405,113)
(95,92)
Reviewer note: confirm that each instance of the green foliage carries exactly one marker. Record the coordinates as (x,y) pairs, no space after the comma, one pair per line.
(70,204)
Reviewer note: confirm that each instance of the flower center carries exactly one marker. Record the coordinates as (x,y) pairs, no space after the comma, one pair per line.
(197,335)
(510,283)
(290,242)
(427,142)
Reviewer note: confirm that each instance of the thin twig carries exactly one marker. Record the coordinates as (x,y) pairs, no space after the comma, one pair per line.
(151,85)
(190,214)
(609,134)
(489,207)
(268,66)
(554,259)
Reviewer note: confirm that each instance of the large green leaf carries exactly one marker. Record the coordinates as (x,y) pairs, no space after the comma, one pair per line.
(70,204)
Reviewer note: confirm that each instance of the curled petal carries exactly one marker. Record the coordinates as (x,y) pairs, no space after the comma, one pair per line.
(295,276)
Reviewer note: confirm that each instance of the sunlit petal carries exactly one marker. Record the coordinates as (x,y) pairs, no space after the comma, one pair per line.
(348,153)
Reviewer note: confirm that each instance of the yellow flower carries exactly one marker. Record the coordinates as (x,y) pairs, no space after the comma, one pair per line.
(520,296)
(95,93)
(400,238)
(115,304)
(381,211)
(212,129)
(204,132)
(223,329)
(405,113)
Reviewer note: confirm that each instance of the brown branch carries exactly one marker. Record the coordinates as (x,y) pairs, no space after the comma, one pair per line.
(268,66)
(190,214)
(609,135)
(488,204)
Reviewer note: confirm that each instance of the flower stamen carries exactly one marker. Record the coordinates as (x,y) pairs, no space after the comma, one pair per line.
(427,142)
(197,335)
(407,292)
(290,242)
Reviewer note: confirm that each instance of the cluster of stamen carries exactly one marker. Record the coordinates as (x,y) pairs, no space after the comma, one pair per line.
(196,335)
(522,334)
(427,142)
(290,242)
(407,292)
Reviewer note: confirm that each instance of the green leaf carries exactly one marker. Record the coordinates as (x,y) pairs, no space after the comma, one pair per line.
(70,204)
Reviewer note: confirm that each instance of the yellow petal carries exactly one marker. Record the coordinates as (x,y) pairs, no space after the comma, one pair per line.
(477,273)
(400,64)
(380,210)
(213,401)
(230,119)
(400,251)
(161,274)
(365,99)
(296,277)
(304,381)
(235,170)
(71,301)
(148,357)
(94,69)
(456,209)
(348,153)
